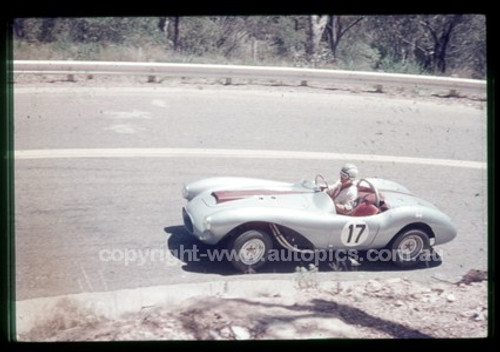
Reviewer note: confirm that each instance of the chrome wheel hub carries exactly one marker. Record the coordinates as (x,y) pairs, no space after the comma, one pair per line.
(252,251)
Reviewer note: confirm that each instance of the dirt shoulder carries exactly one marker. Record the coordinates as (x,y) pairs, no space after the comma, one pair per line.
(477,100)
(392,308)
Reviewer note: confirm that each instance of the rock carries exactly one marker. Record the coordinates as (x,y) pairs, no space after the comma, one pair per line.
(226,332)
(474,275)
(451,298)
(478,317)
(434,298)
(240,333)
(373,286)
(214,335)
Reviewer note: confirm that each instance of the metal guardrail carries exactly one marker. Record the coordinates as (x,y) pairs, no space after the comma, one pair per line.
(335,78)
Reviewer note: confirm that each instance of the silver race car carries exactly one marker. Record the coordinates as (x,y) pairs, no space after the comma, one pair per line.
(250,218)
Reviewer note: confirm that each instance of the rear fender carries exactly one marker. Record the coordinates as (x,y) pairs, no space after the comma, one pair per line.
(418,226)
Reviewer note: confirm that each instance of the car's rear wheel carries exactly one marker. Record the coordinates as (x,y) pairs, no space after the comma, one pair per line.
(409,246)
(249,250)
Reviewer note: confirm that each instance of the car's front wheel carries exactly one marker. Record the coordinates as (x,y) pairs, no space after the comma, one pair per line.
(409,247)
(249,250)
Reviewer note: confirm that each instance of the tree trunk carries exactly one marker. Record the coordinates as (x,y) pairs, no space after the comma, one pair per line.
(176,33)
(442,45)
(163,26)
(170,28)
(333,39)
(316,27)
(441,38)
(18,26)
(336,31)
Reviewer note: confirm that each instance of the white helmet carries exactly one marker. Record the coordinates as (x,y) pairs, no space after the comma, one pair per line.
(349,171)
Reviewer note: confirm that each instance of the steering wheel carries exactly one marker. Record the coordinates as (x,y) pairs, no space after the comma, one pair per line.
(375,191)
(319,178)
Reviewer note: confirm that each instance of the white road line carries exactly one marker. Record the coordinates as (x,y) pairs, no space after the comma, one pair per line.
(234,153)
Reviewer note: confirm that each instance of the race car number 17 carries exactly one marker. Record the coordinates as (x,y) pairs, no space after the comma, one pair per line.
(354,233)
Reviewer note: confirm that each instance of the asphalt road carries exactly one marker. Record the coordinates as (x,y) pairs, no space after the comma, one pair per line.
(103,223)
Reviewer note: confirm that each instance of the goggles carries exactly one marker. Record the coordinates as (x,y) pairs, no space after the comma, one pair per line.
(344,175)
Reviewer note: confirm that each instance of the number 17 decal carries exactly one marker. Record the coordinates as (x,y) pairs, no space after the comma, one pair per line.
(354,233)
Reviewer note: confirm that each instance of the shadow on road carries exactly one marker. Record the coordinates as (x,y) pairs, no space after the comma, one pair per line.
(201,258)
(192,253)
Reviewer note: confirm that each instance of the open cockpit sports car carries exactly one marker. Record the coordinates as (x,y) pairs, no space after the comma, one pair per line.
(249,217)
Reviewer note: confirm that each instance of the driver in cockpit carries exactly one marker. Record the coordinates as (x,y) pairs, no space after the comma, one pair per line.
(345,191)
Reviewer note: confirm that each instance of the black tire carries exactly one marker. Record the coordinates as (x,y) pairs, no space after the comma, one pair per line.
(409,247)
(249,250)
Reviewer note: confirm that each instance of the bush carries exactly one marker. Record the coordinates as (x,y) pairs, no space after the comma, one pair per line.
(391,63)
(357,55)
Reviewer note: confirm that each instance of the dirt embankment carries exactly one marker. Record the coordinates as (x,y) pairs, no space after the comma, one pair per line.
(393,308)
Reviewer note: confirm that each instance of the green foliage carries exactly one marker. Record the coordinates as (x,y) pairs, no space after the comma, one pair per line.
(117,30)
(198,36)
(408,44)
(306,278)
(392,63)
(357,55)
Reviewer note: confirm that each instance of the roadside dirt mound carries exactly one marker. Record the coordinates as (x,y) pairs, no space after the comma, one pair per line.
(393,308)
